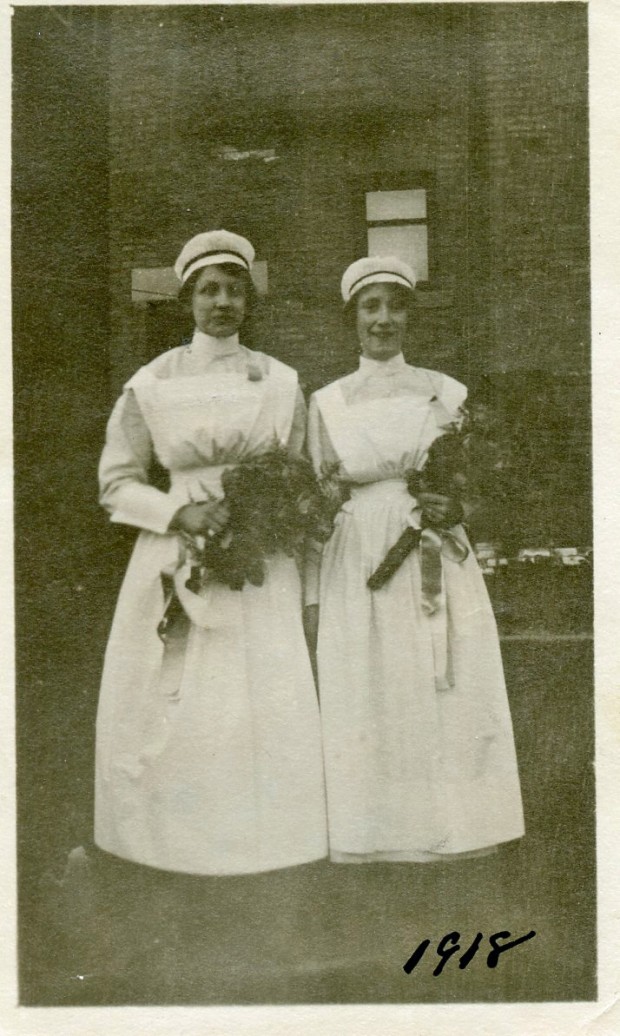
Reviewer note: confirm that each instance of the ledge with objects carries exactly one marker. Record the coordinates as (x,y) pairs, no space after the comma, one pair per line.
(541,593)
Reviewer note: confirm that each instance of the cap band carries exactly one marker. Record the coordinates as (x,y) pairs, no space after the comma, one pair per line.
(216,256)
(373,277)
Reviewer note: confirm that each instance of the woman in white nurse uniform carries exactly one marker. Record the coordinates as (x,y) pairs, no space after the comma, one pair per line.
(419,751)
(208,757)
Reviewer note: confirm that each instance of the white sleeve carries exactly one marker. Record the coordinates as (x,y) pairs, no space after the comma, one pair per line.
(452,393)
(124,490)
(313,444)
(320,448)
(314,551)
(297,435)
(324,459)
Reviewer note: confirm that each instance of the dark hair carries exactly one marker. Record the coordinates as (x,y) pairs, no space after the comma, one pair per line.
(349,313)
(251,295)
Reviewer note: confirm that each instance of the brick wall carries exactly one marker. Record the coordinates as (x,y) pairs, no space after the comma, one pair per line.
(536,104)
(60,283)
(487,102)
(343,94)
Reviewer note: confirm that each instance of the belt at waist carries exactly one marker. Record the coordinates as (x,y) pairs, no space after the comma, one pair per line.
(389,494)
(387,487)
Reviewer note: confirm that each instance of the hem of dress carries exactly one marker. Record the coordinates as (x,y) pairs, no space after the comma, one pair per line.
(410,856)
(215,872)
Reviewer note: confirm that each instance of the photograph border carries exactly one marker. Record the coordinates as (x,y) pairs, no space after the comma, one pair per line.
(600,1016)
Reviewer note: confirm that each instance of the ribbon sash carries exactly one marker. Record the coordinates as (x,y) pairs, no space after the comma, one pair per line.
(433,544)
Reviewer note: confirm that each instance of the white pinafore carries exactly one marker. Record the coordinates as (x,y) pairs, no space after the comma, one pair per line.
(419,752)
(221,771)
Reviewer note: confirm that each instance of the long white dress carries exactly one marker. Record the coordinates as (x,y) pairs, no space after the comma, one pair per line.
(417,735)
(208,755)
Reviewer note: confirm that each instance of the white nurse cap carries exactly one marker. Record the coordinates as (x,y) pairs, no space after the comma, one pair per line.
(376,269)
(213,248)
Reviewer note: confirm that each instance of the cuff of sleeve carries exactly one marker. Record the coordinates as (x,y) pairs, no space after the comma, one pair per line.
(146,508)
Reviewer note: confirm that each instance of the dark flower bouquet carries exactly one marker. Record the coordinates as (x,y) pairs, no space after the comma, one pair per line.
(276,503)
(469,462)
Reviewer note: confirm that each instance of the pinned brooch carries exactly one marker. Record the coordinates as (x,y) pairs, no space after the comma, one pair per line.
(254,372)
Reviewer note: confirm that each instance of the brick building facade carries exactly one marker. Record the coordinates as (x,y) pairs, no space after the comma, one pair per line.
(126,119)
(482,106)
(485,107)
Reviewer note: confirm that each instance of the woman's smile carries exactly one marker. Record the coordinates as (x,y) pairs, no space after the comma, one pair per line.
(381,321)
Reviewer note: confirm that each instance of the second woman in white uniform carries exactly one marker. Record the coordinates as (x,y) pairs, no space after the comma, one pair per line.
(419,751)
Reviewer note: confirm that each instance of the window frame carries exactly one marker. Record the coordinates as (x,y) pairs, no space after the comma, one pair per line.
(410,180)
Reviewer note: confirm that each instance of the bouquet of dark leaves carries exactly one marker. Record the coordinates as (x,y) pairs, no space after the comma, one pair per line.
(276,504)
(470,463)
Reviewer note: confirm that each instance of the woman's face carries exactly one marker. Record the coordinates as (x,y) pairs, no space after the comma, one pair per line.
(381,320)
(219,301)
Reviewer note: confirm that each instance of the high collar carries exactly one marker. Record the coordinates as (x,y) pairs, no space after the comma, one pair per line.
(212,348)
(391,366)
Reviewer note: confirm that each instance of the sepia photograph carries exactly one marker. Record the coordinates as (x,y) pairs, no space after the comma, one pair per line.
(303,511)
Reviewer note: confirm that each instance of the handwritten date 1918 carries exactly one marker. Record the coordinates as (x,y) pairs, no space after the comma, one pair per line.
(450,945)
